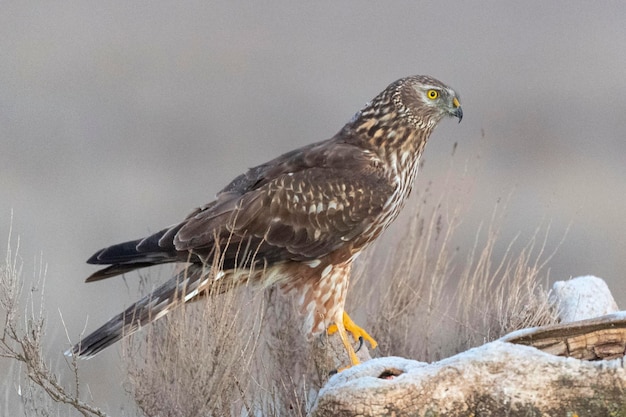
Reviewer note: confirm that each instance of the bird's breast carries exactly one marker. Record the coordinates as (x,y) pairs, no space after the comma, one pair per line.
(403,180)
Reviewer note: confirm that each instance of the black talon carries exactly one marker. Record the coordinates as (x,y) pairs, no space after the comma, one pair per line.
(333,372)
(360,344)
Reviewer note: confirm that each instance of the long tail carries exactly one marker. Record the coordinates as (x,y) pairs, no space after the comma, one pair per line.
(175,292)
(127,256)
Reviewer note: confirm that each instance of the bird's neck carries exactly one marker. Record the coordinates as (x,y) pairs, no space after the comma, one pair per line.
(392,137)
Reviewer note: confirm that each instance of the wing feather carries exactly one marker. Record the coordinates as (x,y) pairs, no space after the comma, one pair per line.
(298,216)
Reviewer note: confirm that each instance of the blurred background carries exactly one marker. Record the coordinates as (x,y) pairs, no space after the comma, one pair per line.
(117,119)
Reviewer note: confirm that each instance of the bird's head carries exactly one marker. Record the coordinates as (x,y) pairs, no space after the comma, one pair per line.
(401,118)
(425,100)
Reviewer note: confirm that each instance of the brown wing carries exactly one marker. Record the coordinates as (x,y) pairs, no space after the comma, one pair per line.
(302,205)
(297,216)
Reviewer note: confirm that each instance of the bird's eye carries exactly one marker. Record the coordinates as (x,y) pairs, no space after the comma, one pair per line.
(432,94)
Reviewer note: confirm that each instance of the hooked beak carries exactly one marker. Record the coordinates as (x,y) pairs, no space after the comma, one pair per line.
(458,111)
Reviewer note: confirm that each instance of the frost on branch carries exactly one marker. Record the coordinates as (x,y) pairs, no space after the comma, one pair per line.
(574,368)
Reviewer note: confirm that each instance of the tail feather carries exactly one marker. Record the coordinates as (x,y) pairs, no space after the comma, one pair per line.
(121,252)
(134,254)
(115,270)
(178,290)
(152,248)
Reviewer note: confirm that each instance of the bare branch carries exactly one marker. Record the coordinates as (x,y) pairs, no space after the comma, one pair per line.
(22,340)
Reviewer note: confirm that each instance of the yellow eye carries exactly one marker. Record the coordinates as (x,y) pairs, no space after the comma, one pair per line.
(432,94)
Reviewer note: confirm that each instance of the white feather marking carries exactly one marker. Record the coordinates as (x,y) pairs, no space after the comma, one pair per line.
(404,157)
(354,256)
(394,162)
(160,314)
(191,294)
(332,205)
(327,271)
(313,264)
(320,207)
(161,305)
(301,298)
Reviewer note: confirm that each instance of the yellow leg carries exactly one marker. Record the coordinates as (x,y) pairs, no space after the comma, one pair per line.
(354,329)
(346,343)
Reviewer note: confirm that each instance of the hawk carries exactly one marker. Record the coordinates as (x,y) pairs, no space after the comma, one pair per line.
(297,221)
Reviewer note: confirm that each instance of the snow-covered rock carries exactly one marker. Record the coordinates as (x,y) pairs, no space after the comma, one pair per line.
(582,298)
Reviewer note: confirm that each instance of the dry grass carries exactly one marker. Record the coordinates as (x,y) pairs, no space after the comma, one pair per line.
(493,299)
(243,353)
(234,352)
(426,304)
(41,391)
(196,360)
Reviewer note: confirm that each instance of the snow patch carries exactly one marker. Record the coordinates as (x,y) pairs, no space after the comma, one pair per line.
(582,298)
(496,364)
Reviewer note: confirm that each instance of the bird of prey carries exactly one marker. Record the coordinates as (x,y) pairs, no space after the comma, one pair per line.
(297,221)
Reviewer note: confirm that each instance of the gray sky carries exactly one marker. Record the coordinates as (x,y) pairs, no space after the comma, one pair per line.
(117,119)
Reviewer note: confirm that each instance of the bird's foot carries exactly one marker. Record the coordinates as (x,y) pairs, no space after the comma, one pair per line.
(357,332)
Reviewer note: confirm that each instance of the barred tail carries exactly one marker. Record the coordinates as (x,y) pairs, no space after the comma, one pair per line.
(175,292)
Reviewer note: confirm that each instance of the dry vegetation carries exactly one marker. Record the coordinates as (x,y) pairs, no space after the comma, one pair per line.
(41,391)
(432,304)
(242,352)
